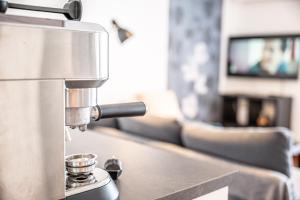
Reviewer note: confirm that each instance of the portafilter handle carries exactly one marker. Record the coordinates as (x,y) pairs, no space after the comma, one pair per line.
(118,110)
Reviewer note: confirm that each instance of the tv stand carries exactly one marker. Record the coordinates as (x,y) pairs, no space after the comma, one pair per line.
(242,110)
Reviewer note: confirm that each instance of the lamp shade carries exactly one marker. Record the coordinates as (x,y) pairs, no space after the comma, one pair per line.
(123,33)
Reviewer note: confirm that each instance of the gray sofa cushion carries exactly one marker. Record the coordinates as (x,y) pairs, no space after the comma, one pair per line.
(111,123)
(152,127)
(262,147)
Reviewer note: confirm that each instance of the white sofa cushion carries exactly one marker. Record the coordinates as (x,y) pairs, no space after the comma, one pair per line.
(162,104)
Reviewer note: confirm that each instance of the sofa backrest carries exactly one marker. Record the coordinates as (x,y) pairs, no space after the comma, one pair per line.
(268,148)
(153,127)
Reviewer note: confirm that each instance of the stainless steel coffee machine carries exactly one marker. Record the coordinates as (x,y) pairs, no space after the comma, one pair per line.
(49,72)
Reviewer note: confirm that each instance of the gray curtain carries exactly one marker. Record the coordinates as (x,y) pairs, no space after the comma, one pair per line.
(194,51)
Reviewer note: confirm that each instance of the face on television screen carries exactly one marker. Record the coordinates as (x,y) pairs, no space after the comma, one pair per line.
(264,56)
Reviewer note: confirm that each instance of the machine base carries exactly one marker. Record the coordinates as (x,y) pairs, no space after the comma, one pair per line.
(106,192)
(104,188)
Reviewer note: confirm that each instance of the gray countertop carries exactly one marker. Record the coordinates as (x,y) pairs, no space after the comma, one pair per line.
(150,173)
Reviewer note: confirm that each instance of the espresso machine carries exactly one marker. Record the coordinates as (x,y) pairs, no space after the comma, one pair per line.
(49,74)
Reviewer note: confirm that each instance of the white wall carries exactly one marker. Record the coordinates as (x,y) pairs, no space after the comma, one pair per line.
(244,17)
(141,63)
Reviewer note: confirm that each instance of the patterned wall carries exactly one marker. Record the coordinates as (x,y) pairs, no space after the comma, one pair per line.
(194,50)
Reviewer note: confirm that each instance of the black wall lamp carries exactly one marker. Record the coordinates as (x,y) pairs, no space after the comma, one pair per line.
(123,33)
(72,10)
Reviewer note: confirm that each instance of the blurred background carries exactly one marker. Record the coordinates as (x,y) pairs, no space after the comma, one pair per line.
(182,46)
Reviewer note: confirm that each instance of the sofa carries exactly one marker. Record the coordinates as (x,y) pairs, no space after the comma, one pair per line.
(261,155)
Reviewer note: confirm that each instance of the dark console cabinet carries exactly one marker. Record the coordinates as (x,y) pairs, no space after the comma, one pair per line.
(256,111)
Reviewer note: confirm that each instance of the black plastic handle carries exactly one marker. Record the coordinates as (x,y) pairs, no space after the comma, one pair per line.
(72,9)
(121,110)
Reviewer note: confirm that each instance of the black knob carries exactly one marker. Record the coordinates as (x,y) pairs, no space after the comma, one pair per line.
(3,6)
(114,168)
(73,10)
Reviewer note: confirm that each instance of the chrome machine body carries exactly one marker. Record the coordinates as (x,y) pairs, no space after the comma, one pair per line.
(49,72)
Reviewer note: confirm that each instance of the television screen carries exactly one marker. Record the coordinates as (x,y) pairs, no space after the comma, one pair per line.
(264,56)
